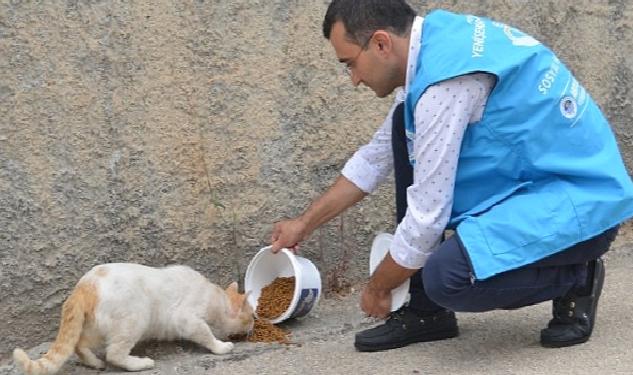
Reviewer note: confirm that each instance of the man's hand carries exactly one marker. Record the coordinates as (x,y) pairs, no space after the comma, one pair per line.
(288,234)
(376,297)
(341,195)
(376,302)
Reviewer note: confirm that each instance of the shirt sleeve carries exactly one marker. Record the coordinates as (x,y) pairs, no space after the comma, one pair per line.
(441,117)
(372,163)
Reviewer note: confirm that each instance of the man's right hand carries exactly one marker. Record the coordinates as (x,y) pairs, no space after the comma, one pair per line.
(288,234)
(341,195)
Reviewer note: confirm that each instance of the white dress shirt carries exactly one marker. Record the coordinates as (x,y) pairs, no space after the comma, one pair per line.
(441,117)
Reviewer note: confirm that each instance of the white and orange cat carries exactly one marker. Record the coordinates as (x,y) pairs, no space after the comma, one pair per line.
(118,305)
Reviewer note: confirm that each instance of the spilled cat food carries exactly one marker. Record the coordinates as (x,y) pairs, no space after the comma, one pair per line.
(265,331)
(273,301)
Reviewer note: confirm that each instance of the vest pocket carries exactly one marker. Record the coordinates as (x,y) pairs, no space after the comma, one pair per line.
(489,202)
(535,222)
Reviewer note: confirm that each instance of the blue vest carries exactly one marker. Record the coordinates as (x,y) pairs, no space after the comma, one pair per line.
(541,171)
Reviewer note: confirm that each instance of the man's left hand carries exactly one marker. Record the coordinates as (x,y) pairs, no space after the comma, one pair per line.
(375,302)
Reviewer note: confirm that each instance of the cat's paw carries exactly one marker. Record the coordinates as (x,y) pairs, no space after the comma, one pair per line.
(222,347)
(96,364)
(147,363)
(138,364)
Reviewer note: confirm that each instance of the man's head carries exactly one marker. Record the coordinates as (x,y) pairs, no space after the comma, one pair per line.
(371,38)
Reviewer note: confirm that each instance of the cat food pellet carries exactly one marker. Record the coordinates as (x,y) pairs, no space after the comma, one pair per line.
(275,297)
(273,301)
(265,331)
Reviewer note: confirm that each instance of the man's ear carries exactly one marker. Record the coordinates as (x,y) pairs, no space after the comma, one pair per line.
(383,40)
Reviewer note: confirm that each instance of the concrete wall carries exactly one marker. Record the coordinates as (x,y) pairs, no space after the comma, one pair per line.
(178,131)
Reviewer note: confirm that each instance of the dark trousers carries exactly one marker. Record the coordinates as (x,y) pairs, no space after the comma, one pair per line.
(446,279)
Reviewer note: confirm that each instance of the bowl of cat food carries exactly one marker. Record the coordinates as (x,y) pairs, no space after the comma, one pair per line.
(282,285)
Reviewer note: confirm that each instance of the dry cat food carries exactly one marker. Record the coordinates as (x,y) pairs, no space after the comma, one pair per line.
(265,331)
(273,301)
(275,297)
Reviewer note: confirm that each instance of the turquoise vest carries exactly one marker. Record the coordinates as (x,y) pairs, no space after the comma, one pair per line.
(541,171)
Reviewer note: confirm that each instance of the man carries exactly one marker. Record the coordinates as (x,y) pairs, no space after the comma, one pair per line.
(492,137)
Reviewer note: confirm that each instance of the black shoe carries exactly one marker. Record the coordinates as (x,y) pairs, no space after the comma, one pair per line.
(405,327)
(574,314)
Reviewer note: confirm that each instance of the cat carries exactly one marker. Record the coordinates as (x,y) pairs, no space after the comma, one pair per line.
(120,304)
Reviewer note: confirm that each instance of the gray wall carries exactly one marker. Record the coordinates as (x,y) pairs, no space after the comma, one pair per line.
(178,131)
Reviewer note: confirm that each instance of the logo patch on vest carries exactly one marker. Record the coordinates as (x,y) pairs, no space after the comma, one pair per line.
(568,107)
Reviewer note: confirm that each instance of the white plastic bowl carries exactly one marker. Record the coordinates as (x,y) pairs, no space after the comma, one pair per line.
(379,249)
(265,267)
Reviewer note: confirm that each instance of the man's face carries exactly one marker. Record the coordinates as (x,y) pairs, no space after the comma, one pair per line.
(367,66)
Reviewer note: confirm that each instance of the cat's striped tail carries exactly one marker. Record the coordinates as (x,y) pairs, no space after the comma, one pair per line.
(76,308)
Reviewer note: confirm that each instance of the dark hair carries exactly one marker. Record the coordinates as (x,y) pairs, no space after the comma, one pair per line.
(362,17)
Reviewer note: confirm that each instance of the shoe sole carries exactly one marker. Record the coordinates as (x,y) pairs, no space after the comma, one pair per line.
(432,337)
(564,344)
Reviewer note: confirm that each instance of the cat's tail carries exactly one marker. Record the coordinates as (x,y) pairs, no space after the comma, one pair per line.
(80,304)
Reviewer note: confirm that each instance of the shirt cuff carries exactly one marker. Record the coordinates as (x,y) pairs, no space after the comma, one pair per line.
(362,174)
(406,255)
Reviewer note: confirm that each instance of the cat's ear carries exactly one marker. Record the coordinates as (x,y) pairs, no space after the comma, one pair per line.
(232,288)
(236,302)
(246,299)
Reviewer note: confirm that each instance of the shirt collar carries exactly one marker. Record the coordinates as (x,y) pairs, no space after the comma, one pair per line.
(414,50)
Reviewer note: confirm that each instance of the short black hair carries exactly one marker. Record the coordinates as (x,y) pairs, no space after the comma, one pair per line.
(362,17)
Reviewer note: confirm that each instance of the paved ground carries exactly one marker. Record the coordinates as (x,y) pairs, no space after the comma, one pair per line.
(500,342)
